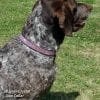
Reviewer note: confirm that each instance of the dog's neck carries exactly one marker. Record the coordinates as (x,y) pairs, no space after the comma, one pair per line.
(45,35)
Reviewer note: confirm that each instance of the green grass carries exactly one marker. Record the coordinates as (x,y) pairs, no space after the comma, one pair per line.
(87,1)
(78,71)
(12,17)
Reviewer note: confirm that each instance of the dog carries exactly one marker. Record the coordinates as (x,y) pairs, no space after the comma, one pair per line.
(27,62)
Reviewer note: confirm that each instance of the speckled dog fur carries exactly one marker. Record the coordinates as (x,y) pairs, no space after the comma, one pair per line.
(24,73)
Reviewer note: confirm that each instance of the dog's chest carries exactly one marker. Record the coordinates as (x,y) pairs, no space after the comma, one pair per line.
(23,68)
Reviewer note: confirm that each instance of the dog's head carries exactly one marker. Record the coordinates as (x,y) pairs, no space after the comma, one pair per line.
(81,15)
(70,14)
(61,9)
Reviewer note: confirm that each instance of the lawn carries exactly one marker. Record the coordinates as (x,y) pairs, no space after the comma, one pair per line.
(78,71)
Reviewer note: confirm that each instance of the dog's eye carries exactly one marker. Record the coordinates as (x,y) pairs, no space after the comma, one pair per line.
(84,18)
(74,10)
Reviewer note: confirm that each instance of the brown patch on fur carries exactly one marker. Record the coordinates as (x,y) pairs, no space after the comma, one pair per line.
(63,11)
(58,11)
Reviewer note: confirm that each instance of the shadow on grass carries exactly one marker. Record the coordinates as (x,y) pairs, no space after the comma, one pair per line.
(61,96)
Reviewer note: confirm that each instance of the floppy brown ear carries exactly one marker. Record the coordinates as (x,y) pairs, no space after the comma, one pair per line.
(58,11)
(70,6)
(63,10)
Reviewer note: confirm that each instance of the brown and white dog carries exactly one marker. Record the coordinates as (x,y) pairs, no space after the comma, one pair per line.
(27,63)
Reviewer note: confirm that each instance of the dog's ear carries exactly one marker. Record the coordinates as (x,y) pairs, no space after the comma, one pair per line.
(72,4)
(70,7)
(63,10)
(55,9)
(58,8)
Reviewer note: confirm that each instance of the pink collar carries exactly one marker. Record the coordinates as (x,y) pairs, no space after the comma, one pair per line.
(33,46)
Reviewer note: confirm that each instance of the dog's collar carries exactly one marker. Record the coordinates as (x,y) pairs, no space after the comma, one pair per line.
(33,46)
